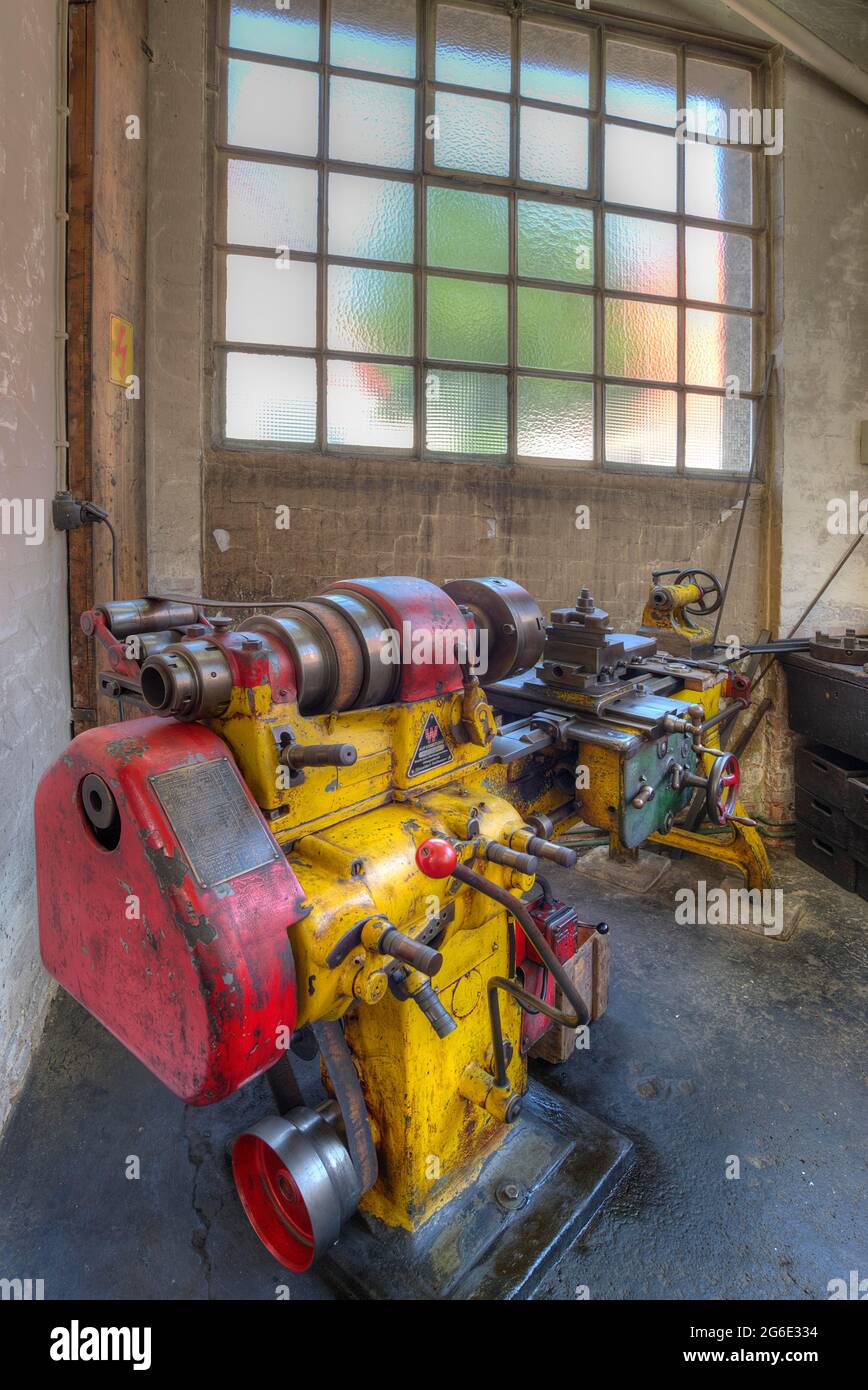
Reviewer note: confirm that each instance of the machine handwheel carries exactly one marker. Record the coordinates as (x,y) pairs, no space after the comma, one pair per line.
(723,784)
(712,594)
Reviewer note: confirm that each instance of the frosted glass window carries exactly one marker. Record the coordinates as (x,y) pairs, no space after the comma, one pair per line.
(641,339)
(471,133)
(272,205)
(270,300)
(370,219)
(509,192)
(554,147)
(272,108)
(641,83)
(473,49)
(467,320)
(375,35)
(260,26)
(713,91)
(468,231)
(270,398)
(719,267)
(555,242)
(641,426)
(641,255)
(372,123)
(718,349)
(718,433)
(555,418)
(465,412)
(555,63)
(718,182)
(640,168)
(370,310)
(555,330)
(370,404)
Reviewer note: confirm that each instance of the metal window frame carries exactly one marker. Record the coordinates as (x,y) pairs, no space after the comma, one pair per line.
(600,23)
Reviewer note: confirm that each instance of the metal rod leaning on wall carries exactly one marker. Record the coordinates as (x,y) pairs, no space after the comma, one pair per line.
(814,601)
(747,487)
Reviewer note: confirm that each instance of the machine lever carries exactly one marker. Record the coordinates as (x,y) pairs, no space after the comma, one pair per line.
(425,959)
(437,858)
(512,858)
(547,849)
(298,755)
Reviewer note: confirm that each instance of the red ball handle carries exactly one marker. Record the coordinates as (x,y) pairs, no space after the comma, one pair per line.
(437,858)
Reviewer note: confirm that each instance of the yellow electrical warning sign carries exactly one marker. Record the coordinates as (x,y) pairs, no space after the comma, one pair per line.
(120,350)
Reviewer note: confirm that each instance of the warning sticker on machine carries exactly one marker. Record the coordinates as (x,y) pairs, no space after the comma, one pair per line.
(432,750)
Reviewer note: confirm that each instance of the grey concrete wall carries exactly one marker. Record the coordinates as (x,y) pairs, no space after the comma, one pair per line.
(34,699)
(825,345)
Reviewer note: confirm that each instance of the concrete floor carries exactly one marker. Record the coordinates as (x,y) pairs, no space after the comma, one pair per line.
(717,1042)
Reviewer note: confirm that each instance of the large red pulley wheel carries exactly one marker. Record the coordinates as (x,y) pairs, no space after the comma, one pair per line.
(274,1206)
(297,1184)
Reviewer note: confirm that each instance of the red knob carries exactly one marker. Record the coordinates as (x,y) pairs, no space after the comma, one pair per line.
(437,858)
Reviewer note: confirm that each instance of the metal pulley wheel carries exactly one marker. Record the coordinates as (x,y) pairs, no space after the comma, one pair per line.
(296,1182)
(722,788)
(712,595)
(509,617)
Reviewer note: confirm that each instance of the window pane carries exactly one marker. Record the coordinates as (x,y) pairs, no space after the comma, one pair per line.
(641,255)
(260,26)
(554,147)
(270,397)
(640,168)
(719,267)
(641,339)
(472,133)
(272,108)
(718,433)
(718,347)
(465,412)
(718,182)
(271,205)
(372,123)
(270,301)
(468,231)
(713,90)
(467,320)
(555,64)
(370,310)
(370,218)
(376,35)
(473,49)
(640,83)
(555,242)
(370,404)
(555,418)
(641,426)
(555,330)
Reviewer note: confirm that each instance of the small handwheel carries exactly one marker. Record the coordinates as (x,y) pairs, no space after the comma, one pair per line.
(712,594)
(722,788)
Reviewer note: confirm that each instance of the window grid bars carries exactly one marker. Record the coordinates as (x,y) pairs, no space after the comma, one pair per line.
(425,175)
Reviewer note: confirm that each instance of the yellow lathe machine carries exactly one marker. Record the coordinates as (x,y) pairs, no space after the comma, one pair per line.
(330,820)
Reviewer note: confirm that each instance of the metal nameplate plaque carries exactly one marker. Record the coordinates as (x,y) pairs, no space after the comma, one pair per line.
(217,828)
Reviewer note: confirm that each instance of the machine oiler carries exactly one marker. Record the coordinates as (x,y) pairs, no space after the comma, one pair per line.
(325,833)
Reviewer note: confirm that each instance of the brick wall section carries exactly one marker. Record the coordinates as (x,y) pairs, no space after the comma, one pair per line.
(354,517)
